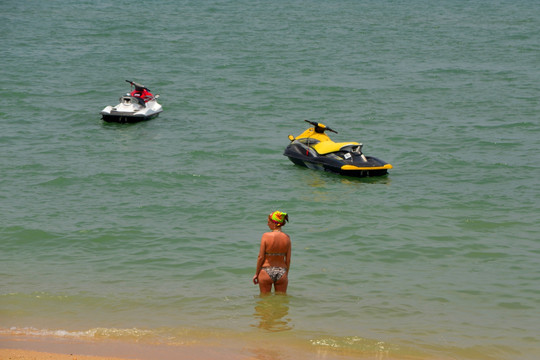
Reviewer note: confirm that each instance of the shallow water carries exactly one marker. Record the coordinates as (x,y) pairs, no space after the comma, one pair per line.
(150,232)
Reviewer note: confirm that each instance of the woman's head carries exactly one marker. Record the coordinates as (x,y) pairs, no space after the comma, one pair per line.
(278,218)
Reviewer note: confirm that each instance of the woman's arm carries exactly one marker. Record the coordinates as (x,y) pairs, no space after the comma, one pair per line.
(288,258)
(260,260)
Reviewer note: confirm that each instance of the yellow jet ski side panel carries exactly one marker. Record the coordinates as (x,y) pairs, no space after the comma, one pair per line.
(330,146)
(352,167)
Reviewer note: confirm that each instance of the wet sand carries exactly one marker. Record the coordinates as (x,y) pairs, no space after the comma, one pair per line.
(14,354)
(53,348)
(17,348)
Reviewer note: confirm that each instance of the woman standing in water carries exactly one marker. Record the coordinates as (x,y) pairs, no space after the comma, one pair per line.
(274,256)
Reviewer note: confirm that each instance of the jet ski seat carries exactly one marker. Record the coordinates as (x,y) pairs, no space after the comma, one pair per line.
(326,147)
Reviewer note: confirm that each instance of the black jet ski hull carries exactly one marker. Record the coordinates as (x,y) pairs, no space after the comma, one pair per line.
(127,118)
(356,165)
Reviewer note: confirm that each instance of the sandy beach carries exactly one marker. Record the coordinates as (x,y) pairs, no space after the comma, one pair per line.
(16,354)
(202,354)
(33,348)
(17,348)
(24,354)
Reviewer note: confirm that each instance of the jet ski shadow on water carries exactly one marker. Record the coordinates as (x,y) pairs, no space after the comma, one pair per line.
(315,150)
(139,105)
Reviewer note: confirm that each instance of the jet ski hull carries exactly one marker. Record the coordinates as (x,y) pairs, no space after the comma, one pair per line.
(126,118)
(356,165)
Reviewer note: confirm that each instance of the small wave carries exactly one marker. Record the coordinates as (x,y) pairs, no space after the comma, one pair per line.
(155,336)
(514,306)
(30,331)
(363,347)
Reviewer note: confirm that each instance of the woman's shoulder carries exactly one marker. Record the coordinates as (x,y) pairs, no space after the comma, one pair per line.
(286,235)
(273,233)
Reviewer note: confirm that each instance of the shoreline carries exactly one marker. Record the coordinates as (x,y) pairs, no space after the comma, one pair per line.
(16,347)
(17,354)
(47,348)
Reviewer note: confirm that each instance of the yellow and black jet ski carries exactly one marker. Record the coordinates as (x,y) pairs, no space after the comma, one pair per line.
(314,149)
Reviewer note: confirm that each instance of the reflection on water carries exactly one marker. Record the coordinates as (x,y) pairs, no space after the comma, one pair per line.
(321,179)
(271,312)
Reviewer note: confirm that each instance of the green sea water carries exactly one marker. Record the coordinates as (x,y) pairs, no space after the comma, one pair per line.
(150,232)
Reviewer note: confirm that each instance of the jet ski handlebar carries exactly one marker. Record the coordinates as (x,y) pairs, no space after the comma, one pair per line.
(320,127)
(137,86)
